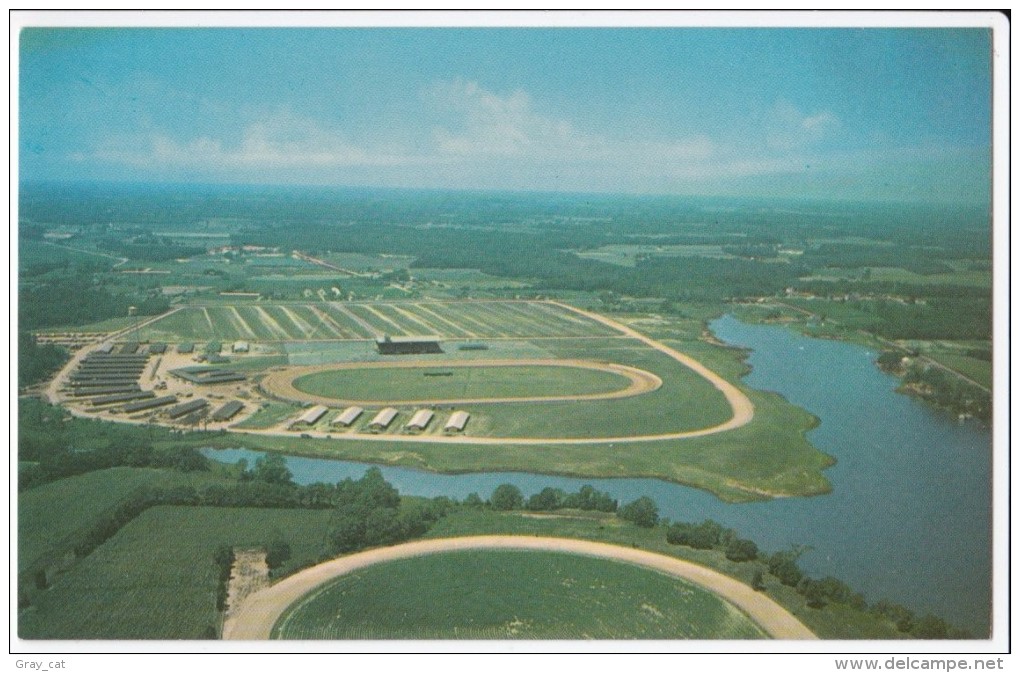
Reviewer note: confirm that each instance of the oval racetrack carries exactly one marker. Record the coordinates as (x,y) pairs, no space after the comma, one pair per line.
(261,611)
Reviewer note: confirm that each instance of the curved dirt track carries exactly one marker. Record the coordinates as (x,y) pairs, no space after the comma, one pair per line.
(743,409)
(281,383)
(256,617)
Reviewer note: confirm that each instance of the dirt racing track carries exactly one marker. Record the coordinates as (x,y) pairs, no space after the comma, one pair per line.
(281,383)
(256,617)
(743,408)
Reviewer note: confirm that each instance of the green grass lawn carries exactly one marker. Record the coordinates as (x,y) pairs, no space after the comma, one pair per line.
(974,368)
(51,514)
(156,579)
(459,382)
(268,416)
(510,595)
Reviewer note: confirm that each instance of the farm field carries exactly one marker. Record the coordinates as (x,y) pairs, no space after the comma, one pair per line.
(628,255)
(156,579)
(80,501)
(968,277)
(354,320)
(511,595)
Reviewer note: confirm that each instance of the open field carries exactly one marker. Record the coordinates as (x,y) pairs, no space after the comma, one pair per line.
(156,579)
(968,277)
(509,595)
(978,370)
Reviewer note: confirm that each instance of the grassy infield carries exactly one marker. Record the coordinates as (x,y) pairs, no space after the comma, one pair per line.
(459,382)
(508,594)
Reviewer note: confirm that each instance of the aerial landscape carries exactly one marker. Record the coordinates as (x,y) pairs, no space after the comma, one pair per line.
(505,334)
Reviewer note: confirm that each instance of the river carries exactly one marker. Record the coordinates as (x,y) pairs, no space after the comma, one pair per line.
(909,517)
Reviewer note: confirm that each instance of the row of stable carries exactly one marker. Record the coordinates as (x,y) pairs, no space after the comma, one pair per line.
(108,378)
(420,420)
(184,409)
(131,348)
(159,348)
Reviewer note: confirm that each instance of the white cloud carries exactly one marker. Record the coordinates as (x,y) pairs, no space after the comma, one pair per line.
(281,140)
(465,132)
(504,126)
(787,128)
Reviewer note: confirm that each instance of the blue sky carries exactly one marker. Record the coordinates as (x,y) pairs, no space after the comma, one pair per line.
(847,113)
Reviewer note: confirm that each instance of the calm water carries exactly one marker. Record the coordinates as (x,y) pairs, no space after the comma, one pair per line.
(909,516)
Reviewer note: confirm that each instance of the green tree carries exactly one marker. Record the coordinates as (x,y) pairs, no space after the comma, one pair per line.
(812,591)
(277,552)
(272,469)
(641,512)
(783,565)
(506,497)
(546,500)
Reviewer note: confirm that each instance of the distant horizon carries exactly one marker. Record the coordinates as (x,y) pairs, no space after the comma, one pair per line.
(882,114)
(326,188)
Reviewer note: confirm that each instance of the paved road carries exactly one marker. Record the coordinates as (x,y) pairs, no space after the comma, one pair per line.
(255,618)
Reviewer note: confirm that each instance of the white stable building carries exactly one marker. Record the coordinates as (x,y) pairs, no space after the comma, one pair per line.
(383,419)
(457,421)
(420,420)
(347,416)
(312,416)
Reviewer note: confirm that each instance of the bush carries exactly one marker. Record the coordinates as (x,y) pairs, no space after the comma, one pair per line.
(741,550)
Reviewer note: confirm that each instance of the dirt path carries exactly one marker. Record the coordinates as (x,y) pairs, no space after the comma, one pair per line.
(255,618)
(281,383)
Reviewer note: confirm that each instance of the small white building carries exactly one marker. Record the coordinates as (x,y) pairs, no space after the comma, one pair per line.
(240,347)
(347,416)
(420,420)
(457,421)
(383,419)
(312,416)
